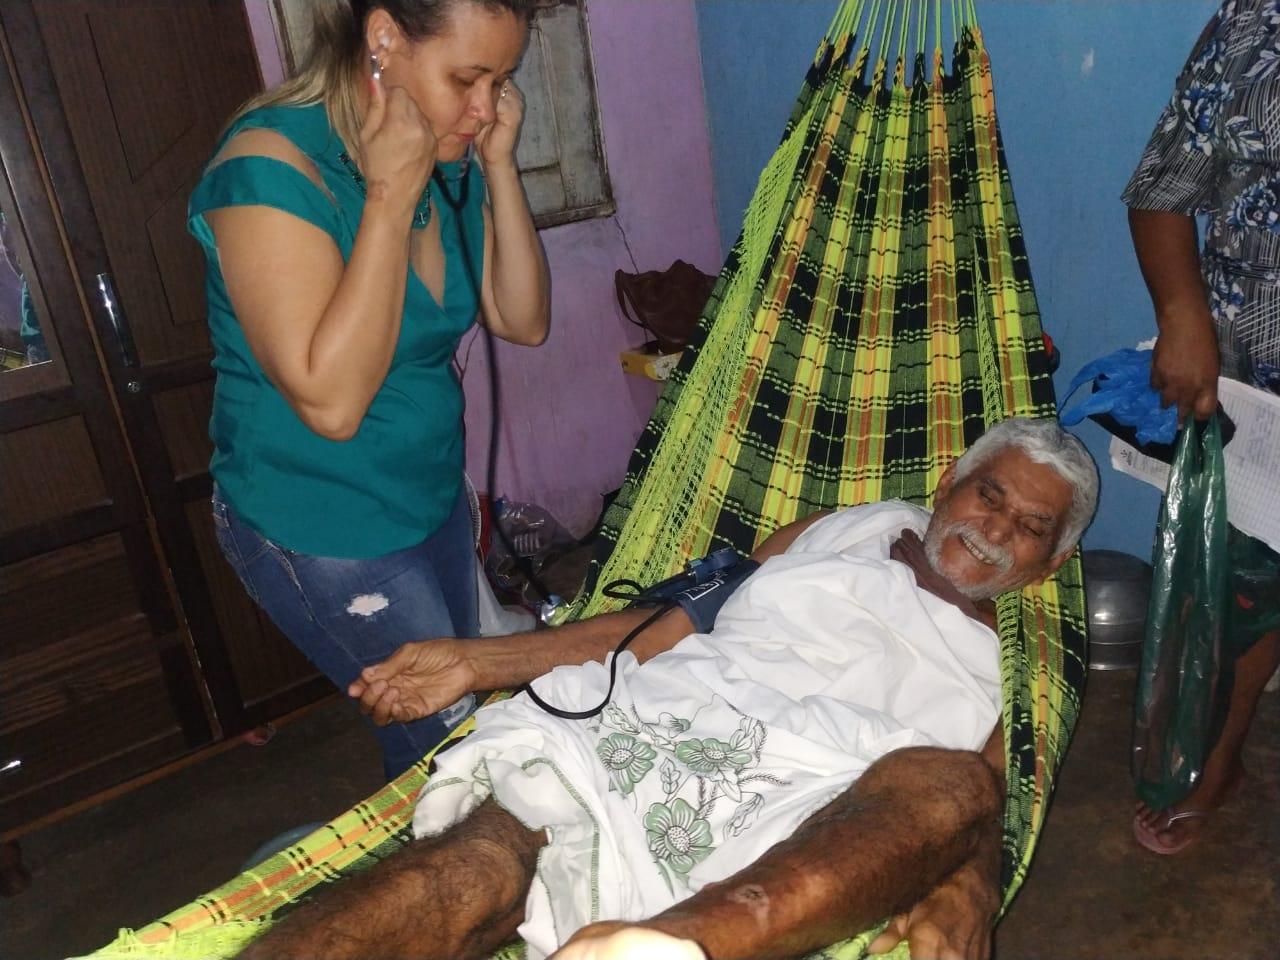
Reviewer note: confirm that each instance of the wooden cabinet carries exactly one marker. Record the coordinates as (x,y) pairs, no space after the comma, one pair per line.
(125,640)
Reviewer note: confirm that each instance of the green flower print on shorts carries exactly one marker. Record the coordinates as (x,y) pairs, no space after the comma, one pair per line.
(677,836)
(627,759)
(711,756)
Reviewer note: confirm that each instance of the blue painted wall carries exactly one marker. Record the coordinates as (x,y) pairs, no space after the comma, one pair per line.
(1079,84)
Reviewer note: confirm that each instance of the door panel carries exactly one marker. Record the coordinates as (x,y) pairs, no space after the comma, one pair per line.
(98,681)
(180,266)
(48,471)
(137,95)
(83,695)
(139,51)
(143,119)
(88,696)
(183,415)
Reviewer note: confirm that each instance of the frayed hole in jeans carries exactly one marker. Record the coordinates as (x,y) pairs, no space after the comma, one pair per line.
(367,604)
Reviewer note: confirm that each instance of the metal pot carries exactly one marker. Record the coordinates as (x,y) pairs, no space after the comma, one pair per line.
(1116,586)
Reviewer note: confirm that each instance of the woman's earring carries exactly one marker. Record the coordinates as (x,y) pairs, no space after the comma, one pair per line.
(377,58)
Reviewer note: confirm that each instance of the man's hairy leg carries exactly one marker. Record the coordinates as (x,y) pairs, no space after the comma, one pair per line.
(458,895)
(908,823)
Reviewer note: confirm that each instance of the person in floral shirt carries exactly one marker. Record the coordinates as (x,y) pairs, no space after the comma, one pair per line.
(1216,152)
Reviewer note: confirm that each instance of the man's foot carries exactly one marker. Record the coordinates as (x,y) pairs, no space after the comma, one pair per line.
(1176,828)
(618,941)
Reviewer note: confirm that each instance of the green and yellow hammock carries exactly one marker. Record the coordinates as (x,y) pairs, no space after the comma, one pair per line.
(874,317)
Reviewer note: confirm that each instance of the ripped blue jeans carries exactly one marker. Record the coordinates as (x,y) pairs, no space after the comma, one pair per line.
(347,614)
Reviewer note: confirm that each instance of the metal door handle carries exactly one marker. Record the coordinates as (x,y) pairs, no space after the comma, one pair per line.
(119,322)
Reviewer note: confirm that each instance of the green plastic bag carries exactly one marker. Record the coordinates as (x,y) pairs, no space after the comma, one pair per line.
(1179,690)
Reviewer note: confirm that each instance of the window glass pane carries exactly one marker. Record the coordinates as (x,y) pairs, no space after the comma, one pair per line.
(22,340)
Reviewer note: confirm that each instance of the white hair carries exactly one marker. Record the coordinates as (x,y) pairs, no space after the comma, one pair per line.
(1044,441)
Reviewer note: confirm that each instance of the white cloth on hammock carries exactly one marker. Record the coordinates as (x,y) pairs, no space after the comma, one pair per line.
(826,659)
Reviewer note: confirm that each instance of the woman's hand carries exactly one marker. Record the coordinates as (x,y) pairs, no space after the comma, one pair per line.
(497,141)
(515,295)
(1185,365)
(398,148)
(416,681)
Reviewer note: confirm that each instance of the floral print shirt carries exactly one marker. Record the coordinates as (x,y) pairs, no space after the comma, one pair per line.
(1216,151)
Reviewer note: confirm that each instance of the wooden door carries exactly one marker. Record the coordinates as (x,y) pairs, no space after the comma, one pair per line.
(127,100)
(97,681)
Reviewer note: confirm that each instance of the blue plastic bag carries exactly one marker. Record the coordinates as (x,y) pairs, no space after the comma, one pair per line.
(1122,389)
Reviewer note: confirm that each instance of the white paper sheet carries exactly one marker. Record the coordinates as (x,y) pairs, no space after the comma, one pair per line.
(1252,459)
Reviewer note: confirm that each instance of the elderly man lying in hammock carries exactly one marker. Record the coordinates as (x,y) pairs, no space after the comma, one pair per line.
(829,755)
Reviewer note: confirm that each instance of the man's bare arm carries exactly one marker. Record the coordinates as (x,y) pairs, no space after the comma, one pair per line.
(423,678)
(1184,366)
(780,540)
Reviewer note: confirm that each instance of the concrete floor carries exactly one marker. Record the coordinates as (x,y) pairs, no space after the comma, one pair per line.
(1092,892)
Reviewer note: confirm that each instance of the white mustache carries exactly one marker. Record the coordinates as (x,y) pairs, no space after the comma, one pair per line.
(996,555)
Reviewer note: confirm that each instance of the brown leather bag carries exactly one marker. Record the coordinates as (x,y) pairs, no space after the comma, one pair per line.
(667,303)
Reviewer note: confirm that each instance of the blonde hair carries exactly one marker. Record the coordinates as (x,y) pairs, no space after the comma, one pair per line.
(335,61)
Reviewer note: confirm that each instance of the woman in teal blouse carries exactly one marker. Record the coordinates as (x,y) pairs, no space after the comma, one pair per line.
(350,242)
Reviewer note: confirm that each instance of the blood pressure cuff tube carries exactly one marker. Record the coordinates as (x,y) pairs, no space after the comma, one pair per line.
(703,601)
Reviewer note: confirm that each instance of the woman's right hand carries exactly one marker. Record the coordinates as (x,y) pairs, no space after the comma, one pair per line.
(398,148)
(416,681)
(1185,366)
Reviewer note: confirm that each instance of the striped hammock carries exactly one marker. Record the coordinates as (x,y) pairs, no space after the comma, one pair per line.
(875,315)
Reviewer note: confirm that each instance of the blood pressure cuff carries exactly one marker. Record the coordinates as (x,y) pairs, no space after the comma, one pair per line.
(703,601)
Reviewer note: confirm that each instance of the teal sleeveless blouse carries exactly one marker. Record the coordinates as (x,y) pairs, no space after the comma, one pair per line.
(396,481)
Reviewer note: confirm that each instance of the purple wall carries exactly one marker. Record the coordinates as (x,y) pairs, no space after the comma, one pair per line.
(570,416)
(270,58)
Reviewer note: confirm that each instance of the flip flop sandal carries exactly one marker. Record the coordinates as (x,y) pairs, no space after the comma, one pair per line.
(1148,838)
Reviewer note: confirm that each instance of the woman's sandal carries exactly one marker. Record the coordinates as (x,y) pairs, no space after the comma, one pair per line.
(1149,838)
